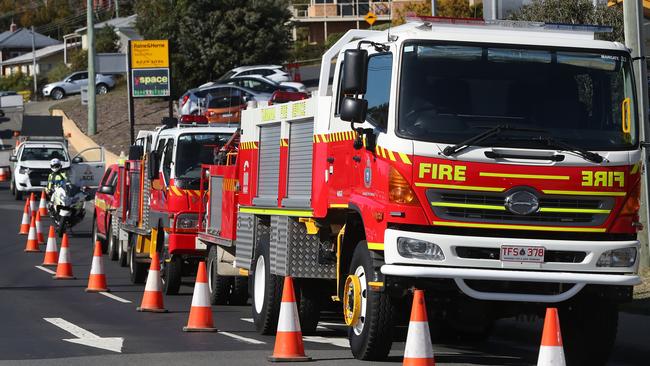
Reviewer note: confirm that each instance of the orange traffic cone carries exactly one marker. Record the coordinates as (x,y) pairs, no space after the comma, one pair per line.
(64,267)
(201,311)
(152,300)
(418,350)
(42,205)
(551,351)
(24,225)
(51,251)
(39,229)
(288,339)
(33,206)
(4,174)
(97,278)
(32,243)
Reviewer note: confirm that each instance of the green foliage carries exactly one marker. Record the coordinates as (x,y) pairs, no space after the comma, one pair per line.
(78,59)
(207,38)
(444,8)
(58,72)
(575,12)
(106,40)
(16,82)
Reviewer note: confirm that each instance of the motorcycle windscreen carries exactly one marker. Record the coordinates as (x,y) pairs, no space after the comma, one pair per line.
(88,167)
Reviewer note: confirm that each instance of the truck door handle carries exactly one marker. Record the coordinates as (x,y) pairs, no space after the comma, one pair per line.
(356,158)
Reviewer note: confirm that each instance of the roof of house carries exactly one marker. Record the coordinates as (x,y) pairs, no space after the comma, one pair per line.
(40,53)
(123,22)
(22,38)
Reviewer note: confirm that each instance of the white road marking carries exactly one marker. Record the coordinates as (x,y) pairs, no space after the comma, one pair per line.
(241,338)
(340,342)
(319,327)
(46,270)
(87,338)
(109,295)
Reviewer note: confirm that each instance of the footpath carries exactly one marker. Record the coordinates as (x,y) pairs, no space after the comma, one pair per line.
(78,140)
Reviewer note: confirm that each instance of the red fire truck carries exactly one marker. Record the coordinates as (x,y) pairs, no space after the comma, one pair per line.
(496,165)
(160,197)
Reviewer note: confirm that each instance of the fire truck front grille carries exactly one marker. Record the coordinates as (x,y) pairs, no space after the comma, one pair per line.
(488,207)
(550,256)
(37,176)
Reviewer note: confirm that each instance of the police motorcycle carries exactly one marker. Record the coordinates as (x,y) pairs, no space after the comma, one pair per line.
(67,204)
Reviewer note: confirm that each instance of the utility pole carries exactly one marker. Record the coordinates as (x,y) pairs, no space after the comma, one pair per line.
(92,110)
(633,20)
(117,8)
(433,8)
(34,63)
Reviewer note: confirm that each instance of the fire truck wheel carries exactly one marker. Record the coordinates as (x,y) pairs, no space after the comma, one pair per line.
(219,285)
(171,271)
(112,243)
(370,314)
(588,330)
(239,295)
(309,307)
(267,291)
(96,237)
(138,271)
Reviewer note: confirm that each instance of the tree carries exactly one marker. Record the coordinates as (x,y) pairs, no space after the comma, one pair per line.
(575,12)
(444,8)
(207,38)
(106,40)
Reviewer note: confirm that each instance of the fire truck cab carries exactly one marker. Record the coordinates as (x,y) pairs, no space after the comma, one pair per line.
(160,210)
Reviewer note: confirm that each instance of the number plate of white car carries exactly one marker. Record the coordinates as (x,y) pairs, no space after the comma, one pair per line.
(512,253)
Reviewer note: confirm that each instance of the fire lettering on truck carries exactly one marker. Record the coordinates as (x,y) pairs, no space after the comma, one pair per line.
(442,172)
(592,178)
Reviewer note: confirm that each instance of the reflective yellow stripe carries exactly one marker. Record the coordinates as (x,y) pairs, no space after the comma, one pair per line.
(276,211)
(461,188)
(468,205)
(520,227)
(574,210)
(635,168)
(391,155)
(405,158)
(375,284)
(525,176)
(243,272)
(339,205)
(375,246)
(584,193)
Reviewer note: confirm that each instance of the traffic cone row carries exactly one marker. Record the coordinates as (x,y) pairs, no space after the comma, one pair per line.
(201,310)
(42,206)
(24,225)
(32,241)
(551,351)
(97,278)
(33,206)
(418,350)
(51,251)
(288,338)
(64,267)
(152,300)
(39,229)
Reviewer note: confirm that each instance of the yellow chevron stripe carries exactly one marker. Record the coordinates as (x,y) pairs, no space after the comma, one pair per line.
(405,158)
(391,155)
(635,168)
(375,246)
(584,193)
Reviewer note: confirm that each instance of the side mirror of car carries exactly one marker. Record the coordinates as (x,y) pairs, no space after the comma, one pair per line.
(13,158)
(110,190)
(77,160)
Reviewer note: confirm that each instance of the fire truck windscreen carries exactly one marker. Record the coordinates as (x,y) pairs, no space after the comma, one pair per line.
(194,149)
(450,93)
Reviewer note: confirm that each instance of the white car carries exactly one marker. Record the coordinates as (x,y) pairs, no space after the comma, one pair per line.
(275,73)
(32,166)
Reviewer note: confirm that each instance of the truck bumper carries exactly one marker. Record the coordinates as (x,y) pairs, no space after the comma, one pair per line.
(460,268)
(183,244)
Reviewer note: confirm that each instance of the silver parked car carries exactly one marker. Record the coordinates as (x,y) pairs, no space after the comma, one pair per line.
(74,82)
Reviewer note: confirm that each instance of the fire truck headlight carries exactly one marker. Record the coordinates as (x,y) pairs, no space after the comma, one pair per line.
(187,221)
(624,257)
(419,249)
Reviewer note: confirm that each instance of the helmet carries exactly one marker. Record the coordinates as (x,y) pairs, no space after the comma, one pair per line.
(55,165)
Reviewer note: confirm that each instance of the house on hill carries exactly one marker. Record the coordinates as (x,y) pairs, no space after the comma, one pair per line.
(18,41)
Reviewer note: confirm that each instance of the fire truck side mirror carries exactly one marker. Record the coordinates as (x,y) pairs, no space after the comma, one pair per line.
(136,152)
(153,165)
(354,110)
(355,72)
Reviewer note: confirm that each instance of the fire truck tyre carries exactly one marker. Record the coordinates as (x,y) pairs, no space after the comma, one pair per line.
(138,271)
(219,285)
(267,292)
(122,258)
(172,274)
(112,244)
(96,237)
(588,331)
(370,314)
(239,295)
(309,308)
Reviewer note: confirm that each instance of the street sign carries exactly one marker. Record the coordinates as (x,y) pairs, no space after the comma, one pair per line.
(370,18)
(148,54)
(150,82)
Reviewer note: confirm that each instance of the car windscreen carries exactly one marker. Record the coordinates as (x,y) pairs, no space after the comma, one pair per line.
(194,149)
(225,98)
(227,75)
(43,154)
(449,93)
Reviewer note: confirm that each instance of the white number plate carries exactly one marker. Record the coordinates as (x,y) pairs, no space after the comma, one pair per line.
(227,115)
(511,253)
